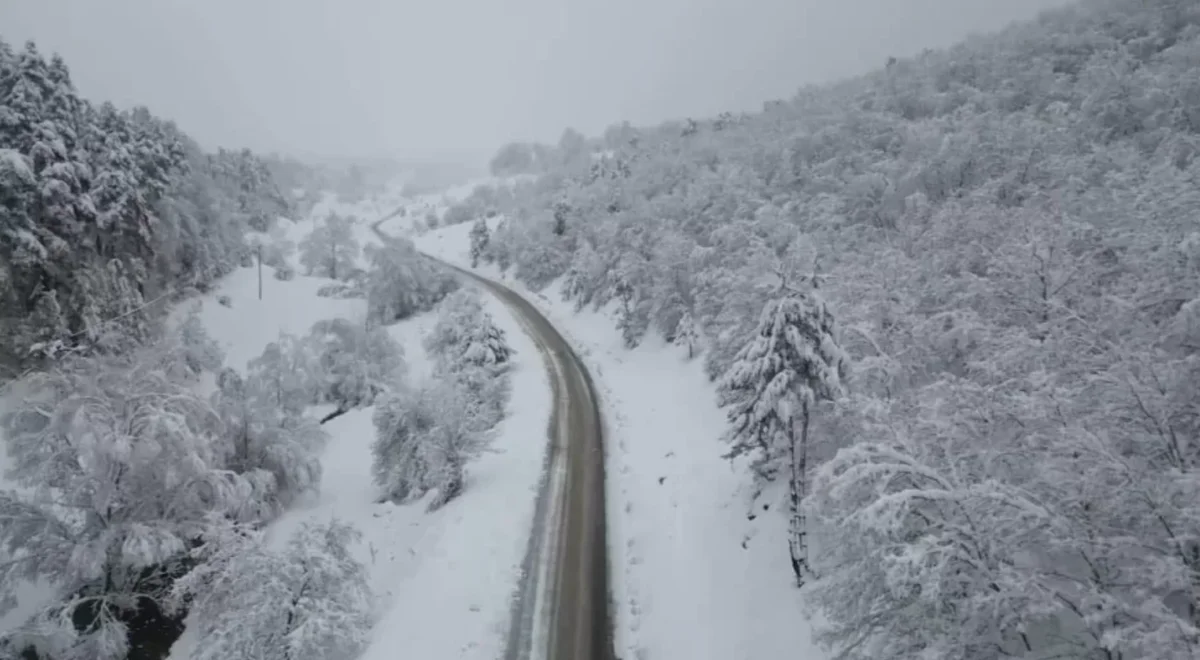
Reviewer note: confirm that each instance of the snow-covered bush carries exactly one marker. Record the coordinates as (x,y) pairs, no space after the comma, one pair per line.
(540,255)
(309,599)
(340,290)
(424,439)
(331,249)
(285,273)
(355,362)
(401,282)
(123,472)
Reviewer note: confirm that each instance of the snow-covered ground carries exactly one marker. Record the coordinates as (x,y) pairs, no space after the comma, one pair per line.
(444,579)
(694,578)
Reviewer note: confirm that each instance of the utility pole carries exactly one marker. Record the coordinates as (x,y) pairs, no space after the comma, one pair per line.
(259,253)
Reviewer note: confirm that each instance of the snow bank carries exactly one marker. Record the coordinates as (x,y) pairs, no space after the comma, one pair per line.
(693,577)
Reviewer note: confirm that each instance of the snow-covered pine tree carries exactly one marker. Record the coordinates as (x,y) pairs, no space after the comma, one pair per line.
(479,240)
(466,335)
(792,361)
(469,348)
(310,599)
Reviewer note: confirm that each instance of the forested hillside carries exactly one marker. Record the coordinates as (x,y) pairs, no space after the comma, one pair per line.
(954,305)
(129,495)
(105,214)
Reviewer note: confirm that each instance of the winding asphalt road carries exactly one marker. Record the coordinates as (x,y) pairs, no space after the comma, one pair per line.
(561,610)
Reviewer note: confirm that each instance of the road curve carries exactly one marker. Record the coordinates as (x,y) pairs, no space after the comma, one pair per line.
(561,610)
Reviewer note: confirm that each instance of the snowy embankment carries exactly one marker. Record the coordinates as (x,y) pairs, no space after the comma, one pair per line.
(693,577)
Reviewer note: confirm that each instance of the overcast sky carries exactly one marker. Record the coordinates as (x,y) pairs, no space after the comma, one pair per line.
(449,77)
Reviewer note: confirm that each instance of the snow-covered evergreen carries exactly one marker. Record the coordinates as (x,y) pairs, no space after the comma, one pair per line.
(479,240)
(469,349)
(772,389)
(465,334)
(107,215)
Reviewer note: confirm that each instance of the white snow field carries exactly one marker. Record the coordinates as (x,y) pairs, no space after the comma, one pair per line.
(444,580)
(693,577)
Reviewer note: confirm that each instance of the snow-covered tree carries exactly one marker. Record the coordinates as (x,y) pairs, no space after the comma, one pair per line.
(400,465)
(122,473)
(285,375)
(401,283)
(465,334)
(424,440)
(193,350)
(356,362)
(274,247)
(452,441)
(479,240)
(952,591)
(310,599)
(106,213)
(468,348)
(772,389)
(330,250)
(687,335)
(258,436)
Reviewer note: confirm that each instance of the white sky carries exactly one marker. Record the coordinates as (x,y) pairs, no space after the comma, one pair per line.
(423,78)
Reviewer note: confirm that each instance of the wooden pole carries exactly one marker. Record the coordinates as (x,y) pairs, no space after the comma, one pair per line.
(259,253)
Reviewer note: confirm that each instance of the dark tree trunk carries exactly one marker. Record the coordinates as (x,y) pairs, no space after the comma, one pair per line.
(797,525)
(335,414)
